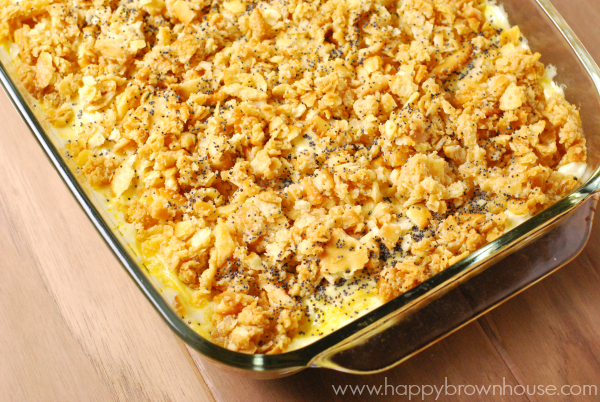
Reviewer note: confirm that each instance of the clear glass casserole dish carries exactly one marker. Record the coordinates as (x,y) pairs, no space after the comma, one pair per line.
(406,325)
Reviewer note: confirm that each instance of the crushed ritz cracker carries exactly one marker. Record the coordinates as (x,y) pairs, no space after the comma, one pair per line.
(263,149)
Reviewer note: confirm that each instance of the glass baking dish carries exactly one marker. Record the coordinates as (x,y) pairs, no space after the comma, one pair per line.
(413,321)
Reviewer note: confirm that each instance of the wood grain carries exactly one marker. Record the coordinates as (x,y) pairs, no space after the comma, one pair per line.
(74,327)
(55,266)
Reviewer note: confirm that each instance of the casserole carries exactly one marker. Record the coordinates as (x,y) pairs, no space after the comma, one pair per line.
(413,299)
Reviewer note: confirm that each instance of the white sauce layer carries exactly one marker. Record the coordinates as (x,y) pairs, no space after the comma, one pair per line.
(575,169)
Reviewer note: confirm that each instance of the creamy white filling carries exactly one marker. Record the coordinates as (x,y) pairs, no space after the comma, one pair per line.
(13,49)
(305,143)
(514,220)
(575,169)
(551,88)
(497,16)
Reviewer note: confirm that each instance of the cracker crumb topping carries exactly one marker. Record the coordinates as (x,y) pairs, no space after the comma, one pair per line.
(263,149)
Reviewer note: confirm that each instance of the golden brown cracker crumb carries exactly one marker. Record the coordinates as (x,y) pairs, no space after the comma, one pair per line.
(263,149)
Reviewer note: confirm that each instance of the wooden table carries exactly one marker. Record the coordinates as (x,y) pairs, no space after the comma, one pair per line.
(74,327)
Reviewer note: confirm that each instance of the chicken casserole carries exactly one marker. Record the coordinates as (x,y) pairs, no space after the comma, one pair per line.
(288,165)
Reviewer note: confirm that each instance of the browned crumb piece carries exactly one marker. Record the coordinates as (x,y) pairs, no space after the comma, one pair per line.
(397,279)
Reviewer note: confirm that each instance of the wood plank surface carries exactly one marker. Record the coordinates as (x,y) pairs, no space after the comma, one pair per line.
(55,266)
(73,326)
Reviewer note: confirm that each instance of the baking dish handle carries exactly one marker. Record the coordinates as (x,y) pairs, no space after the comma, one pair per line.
(383,346)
